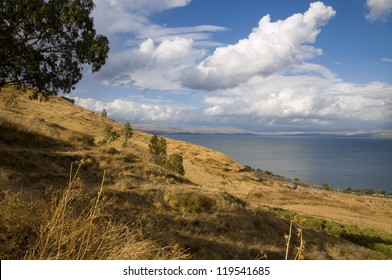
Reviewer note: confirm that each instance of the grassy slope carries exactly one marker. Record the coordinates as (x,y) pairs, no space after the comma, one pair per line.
(215,211)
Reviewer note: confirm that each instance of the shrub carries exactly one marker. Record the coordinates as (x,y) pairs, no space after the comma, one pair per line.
(70,100)
(104,113)
(191,202)
(158,148)
(110,135)
(174,163)
(112,151)
(247,168)
(129,158)
(128,133)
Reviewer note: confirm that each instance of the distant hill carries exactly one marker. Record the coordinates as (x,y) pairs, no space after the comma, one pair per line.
(218,210)
(234,131)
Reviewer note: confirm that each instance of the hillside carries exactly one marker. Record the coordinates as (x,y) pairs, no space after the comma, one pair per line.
(217,210)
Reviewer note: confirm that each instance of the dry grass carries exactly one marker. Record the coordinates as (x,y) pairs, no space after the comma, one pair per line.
(300,248)
(215,211)
(78,228)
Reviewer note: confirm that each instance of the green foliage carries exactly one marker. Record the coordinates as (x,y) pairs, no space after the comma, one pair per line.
(377,241)
(70,100)
(112,151)
(326,187)
(110,135)
(104,113)
(191,202)
(45,45)
(158,148)
(247,168)
(359,191)
(129,158)
(269,173)
(174,163)
(128,133)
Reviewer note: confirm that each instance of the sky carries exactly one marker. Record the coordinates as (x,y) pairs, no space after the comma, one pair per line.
(254,65)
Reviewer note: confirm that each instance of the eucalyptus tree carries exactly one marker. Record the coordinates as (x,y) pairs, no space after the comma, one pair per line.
(45,45)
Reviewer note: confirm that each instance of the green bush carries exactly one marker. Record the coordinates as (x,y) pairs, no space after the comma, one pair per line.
(247,168)
(70,100)
(129,158)
(174,163)
(191,202)
(128,133)
(374,240)
(158,148)
(110,135)
(112,151)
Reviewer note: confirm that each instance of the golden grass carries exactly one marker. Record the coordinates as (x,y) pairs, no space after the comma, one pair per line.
(78,228)
(215,211)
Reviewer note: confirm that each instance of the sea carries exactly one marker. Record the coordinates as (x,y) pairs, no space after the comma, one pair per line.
(339,161)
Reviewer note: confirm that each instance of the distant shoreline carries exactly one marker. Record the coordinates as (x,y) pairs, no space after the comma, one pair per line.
(231,131)
(341,161)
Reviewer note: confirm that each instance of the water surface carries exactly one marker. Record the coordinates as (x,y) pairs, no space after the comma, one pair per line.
(339,161)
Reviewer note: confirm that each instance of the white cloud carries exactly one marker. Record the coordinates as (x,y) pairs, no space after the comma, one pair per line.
(270,48)
(301,101)
(262,82)
(378,9)
(113,16)
(162,53)
(387,59)
(154,66)
(125,110)
(132,17)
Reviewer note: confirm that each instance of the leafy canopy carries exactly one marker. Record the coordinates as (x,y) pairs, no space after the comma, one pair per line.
(157,149)
(45,44)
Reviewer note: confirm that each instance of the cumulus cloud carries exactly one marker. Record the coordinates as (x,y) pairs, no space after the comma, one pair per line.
(151,65)
(303,100)
(125,110)
(262,82)
(378,9)
(270,48)
(162,53)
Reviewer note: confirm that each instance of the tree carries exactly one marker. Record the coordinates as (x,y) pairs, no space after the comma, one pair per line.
(158,148)
(46,44)
(128,133)
(110,135)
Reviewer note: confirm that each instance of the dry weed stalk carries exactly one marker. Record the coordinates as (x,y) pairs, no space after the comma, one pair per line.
(78,228)
(300,249)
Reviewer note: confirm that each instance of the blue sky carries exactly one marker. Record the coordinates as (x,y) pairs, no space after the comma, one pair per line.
(254,65)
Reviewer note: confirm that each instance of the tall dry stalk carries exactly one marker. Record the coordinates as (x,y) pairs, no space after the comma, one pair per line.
(300,249)
(79,228)
(288,239)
